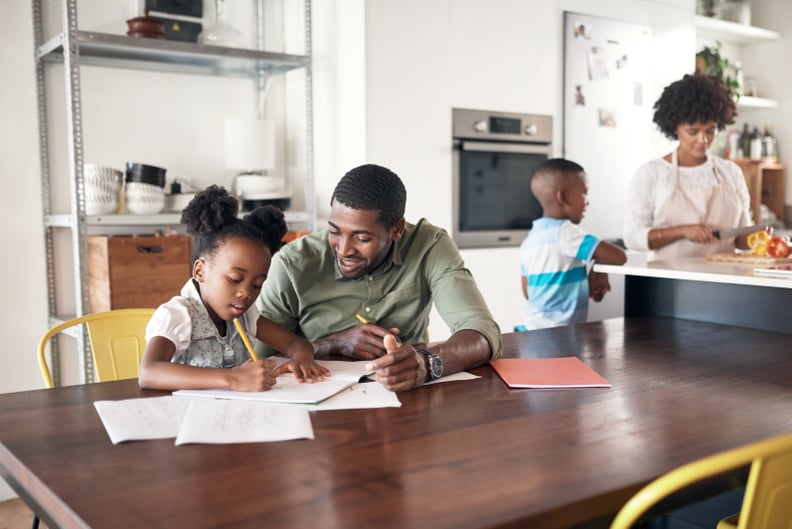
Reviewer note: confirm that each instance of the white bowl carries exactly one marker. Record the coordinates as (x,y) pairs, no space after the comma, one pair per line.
(178,201)
(246,185)
(101,203)
(103,176)
(144,199)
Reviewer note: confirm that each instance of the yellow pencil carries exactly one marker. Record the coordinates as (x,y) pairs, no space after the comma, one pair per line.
(361,318)
(251,352)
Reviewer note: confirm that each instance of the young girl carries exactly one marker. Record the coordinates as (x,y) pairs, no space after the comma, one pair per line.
(192,341)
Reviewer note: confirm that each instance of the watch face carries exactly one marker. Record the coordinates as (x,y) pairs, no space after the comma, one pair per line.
(436,365)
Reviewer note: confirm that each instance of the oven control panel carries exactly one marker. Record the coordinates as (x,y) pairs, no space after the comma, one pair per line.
(501,126)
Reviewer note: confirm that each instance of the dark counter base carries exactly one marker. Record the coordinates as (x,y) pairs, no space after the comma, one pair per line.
(762,308)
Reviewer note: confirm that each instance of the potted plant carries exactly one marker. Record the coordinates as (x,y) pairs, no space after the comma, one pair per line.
(711,61)
(708,7)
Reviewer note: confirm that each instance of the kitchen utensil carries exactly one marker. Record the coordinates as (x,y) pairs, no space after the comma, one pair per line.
(725,234)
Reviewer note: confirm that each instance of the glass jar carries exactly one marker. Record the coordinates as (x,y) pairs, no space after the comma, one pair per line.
(221,33)
(736,11)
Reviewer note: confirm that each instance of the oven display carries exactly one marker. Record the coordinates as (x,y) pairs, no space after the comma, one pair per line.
(504,125)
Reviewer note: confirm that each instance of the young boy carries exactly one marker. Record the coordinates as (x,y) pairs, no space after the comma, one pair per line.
(555,253)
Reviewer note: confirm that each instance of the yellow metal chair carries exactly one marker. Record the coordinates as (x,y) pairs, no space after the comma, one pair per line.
(117,339)
(768,494)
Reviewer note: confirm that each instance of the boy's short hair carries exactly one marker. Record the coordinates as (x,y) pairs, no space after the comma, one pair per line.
(559,165)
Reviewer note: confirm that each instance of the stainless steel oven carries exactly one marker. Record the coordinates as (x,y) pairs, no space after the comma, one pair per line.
(495,155)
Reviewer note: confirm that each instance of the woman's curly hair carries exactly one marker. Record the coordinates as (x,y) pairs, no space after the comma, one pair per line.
(212,216)
(694,98)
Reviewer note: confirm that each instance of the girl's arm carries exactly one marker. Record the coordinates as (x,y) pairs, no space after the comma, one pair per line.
(157,372)
(299,350)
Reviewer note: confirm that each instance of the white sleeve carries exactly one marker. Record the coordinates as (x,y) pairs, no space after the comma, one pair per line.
(639,210)
(172,321)
(738,179)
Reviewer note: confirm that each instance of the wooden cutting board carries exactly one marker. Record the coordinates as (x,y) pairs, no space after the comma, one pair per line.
(748,259)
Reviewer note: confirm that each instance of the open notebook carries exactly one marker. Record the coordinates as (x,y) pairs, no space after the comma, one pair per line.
(288,390)
(547,373)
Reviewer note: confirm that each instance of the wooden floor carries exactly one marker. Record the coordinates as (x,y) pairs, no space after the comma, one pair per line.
(14,514)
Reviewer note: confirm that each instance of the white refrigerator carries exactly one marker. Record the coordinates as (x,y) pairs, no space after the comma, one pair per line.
(607,111)
(607,122)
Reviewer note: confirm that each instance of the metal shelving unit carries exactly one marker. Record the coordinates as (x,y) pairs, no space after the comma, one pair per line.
(73,48)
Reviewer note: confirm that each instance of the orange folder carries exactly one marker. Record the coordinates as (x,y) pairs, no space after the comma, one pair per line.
(547,373)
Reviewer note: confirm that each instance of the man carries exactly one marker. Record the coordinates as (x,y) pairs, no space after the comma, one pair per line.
(364,287)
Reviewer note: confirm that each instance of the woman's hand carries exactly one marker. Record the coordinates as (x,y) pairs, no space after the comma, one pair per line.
(698,233)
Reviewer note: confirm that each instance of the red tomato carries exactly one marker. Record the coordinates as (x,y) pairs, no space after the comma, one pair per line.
(778,246)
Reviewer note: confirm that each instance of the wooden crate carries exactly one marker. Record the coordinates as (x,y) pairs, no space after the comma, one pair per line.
(136,271)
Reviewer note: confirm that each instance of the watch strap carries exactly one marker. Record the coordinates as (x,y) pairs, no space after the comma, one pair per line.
(429,356)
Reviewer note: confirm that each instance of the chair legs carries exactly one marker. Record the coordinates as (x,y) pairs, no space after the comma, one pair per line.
(35,522)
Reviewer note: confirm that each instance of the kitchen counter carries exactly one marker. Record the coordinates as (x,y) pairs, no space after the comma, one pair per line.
(698,269)
(702,290)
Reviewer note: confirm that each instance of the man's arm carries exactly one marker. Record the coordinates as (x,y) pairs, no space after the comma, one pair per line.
(476,337)
(462,306)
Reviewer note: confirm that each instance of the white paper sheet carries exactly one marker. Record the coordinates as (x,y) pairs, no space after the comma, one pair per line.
(360,396)
(462,375)
(289,390)
(243,421)
(138,419)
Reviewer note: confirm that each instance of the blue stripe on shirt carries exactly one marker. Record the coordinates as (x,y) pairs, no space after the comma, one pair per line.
(575,275)
(587,247)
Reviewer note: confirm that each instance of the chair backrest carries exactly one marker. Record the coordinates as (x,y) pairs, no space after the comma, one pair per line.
(768,494)
(117,339)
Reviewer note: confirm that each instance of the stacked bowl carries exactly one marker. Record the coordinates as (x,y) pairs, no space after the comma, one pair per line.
(145,188)
(102,186)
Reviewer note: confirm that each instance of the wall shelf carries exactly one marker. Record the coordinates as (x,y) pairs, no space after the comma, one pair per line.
(756,102)
(118,51)
(726,31)
(67,220)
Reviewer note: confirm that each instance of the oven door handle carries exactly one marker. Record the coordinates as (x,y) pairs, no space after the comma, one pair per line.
(483,146)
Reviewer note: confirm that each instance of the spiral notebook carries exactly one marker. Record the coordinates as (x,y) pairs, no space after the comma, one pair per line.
(547,373)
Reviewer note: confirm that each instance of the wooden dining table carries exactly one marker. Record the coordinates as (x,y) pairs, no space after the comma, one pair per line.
(466,454)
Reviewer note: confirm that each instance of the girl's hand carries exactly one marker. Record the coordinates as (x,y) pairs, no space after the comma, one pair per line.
(252,376)
(305,369)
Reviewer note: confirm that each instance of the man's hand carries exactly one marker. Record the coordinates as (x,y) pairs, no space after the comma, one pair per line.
(361,342)
(401,369)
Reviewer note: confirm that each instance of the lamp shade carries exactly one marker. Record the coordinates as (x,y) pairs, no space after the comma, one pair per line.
(249,144)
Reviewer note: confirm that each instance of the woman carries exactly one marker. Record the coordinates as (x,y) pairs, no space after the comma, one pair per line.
(676,202)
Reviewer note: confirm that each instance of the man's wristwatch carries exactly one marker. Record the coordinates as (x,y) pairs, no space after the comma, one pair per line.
(434,365)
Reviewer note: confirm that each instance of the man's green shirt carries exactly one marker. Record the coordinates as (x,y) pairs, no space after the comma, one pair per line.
(306,293)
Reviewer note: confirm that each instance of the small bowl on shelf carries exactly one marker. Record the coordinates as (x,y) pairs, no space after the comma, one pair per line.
(144,199)
(146,26)
(102,186)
